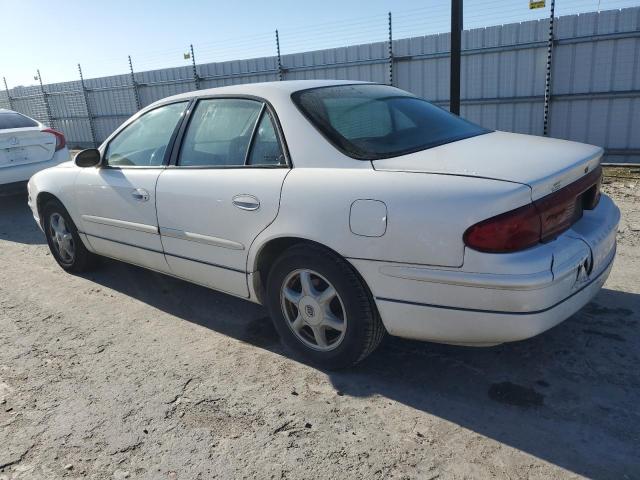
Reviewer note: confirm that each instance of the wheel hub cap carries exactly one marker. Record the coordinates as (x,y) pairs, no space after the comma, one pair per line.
(310,311)
(313,310)
(62,238)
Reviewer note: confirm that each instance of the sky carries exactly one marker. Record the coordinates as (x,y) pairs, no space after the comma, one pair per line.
(55,36)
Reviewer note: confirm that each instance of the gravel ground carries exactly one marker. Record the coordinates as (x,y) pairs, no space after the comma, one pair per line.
(125,373)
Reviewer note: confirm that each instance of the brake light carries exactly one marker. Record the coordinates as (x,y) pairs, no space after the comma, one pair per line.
(508,232)
(60,140)
(537,222)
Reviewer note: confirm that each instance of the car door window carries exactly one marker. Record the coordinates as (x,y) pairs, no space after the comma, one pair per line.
(219,132)
(143,142)
(265,149)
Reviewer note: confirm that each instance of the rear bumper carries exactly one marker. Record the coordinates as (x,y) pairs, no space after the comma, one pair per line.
(497,298)
(468,326)
(22,173)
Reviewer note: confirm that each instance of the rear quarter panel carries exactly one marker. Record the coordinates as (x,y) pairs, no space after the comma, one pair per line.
(427,214)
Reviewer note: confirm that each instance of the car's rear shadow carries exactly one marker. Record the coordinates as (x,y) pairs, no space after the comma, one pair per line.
(569,396)
(16,222)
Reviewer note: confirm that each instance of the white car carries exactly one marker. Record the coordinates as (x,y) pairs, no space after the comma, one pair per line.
(348,209)
(26,147)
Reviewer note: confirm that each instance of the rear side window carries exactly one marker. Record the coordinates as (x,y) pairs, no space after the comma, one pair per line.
(15,120)
(266,149)
(219,133)
(370,122)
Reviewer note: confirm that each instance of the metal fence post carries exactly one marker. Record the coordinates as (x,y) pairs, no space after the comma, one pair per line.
(6,88)
(456,51)
(280,72)
(390,52)
(135,85)
(45,98)
(196,78)
(547,82)
(86,104)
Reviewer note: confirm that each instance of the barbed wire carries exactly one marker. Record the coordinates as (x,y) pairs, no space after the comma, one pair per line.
(431,18)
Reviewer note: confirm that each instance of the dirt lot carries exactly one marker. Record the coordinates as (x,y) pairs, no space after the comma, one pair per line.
(125,373)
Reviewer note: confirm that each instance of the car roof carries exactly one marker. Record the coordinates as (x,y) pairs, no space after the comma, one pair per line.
(265,90)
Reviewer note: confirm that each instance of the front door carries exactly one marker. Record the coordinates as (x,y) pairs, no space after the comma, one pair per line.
(223,190)
(117,201)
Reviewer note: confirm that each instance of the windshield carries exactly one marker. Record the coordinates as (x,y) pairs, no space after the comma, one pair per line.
(370,122)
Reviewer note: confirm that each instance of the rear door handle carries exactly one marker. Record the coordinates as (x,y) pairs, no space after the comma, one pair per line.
(140,194)
(246,202)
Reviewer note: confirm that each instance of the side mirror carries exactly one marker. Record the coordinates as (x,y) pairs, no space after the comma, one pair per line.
(88,158)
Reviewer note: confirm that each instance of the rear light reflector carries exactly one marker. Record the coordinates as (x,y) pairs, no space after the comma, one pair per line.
(540,221)
(60,140)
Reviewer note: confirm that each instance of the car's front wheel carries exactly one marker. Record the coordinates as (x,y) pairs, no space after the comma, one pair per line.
(321,308)
(63,239)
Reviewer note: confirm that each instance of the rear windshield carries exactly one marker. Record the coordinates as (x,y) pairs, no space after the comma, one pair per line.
(15,120)
(370,122)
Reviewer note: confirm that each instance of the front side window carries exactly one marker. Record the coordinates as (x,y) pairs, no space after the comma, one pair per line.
(144,141)
(370,122)
(219,133)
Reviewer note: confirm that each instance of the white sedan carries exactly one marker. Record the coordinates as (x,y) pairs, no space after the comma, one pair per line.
(26,147)
(348,209)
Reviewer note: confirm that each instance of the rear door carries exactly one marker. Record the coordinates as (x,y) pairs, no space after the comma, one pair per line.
(117,201)
(221,191)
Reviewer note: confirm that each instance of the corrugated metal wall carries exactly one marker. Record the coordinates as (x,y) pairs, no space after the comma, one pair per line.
(595,81)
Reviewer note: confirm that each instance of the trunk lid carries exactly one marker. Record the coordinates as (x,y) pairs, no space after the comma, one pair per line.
(22,146)
(544,164)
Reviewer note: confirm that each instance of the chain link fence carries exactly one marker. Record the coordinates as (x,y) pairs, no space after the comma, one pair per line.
(593,94)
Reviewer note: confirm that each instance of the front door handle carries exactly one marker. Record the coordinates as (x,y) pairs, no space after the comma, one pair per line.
(140,194)
(246,202)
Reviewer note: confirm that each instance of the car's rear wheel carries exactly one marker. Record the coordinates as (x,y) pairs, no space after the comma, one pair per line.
(321,308)
(63,239)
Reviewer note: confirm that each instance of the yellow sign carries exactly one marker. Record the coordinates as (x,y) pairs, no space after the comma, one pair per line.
(536,4)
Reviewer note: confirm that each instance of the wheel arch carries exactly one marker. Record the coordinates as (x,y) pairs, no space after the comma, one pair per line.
(272,249)
(41,201)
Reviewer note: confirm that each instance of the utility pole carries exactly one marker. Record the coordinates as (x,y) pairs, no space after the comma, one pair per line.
(456,51)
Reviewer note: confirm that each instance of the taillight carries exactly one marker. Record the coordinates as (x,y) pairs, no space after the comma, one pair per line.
(60,140)
(508,232)
(537,222)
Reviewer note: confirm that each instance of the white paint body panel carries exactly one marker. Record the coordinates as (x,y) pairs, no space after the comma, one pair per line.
(115,222)
(195,206)
(426,283)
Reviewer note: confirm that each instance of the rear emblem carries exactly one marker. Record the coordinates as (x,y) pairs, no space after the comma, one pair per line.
(14,141)
(308,309)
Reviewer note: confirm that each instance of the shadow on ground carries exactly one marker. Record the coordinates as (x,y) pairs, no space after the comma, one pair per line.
(569,396)
(16,222)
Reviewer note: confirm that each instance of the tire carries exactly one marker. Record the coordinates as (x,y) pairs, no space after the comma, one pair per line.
(74,256)
(349,321)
